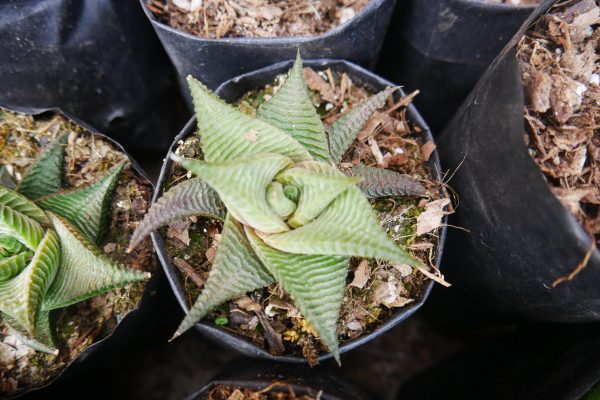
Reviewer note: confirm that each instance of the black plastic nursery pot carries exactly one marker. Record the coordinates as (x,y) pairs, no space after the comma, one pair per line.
(213,61)
(442,47)
(520,238)
(99,60)
(283,378)
(147,324)
(233,90)
(538,362)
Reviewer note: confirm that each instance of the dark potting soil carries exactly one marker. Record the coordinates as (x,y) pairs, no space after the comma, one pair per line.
(561,74)
(274,391)
(216,19)
(87,157)
(375,289)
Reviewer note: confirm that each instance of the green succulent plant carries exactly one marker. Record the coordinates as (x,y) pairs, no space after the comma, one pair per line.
(289,214)
(48,253)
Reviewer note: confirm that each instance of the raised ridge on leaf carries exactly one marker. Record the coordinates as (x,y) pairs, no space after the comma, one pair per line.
(46,174)
(235,271)
(228,134)
(42,340)
(242,185)
(6,178)
(21,296)
(315,282)
(84,270)
(10,245)
(348,227)
(23,205)
(292,110)
(21,227)
(345,130)
(378,182)
(188,198)
(11,266)
(87,207)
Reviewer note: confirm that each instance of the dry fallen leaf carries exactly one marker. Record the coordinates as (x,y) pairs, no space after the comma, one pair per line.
(180,230)
(315,82)
(248,304)
(565,97)
(571,198)
(427,149)
(237,395)
(376,152)
(431,218)
(110,247)
(361,275)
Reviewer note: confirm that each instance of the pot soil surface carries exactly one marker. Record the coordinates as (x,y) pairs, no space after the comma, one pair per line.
(87,157)
(375,289)
(214,19)
(559,65)
(274,391)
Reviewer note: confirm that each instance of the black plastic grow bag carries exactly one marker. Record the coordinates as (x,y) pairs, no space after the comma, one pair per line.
(213,61)
(99,60)
(541,362)
(258,375)
(442,47)
(150,322)
(233,90)
(521,239)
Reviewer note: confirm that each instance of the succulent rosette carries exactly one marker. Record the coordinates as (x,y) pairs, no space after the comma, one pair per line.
(290,215)
(48,253)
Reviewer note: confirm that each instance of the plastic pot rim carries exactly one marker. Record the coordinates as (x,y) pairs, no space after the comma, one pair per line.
(499,6)
(256,384)
(362,14)
(238,343)
(149,284)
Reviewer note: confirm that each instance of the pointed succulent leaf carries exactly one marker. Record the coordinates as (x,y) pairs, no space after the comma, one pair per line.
(242,184)
(317,190)
(292,111)
(21,227)
(278,201)
(345,130)
(228,134)
(348,227)
(11,266)
(378,182)
(235,271)
(10,245)
(21,296)
(42,340)
(192,197)
(84,270)
(23,205)
(315,282)
(87,207)
(6,178)
(46,174)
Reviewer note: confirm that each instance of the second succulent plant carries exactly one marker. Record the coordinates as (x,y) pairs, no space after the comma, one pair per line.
(48,253)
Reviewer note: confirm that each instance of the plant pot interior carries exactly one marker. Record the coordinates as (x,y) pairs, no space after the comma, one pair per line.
(265,18)
(378,295)
(87,158)
(561,109)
